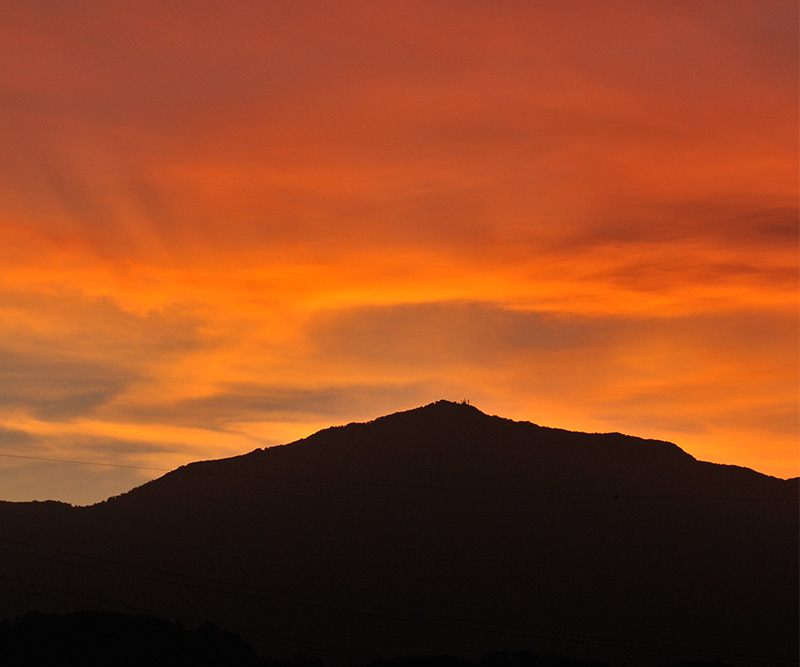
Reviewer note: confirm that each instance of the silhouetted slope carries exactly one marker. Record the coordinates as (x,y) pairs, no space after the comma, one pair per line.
(441,530)
(455,445)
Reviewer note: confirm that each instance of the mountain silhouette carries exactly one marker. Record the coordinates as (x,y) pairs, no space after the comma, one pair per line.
(440,530)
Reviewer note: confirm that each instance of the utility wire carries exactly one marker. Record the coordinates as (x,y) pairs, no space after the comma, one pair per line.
(83,463)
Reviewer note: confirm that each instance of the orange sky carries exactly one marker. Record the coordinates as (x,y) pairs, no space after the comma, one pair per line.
(226,225)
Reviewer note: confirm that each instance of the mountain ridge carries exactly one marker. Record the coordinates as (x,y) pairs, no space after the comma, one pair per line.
(438,530)
(453,438)
(452,410)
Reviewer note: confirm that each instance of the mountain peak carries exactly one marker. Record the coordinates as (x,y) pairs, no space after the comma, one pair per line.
(444,404)
(441,409)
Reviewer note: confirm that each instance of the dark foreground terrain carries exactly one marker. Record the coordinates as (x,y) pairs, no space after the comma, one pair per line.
(437,531)
(100,639)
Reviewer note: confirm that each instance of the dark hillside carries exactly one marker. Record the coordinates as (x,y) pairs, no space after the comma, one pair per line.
(439,530)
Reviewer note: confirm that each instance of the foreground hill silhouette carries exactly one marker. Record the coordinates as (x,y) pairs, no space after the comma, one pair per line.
(101,639)
(440,530)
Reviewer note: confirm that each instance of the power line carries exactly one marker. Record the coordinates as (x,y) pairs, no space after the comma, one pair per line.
(83,463)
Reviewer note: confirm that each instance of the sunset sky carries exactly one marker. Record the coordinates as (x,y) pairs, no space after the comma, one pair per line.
(226,225)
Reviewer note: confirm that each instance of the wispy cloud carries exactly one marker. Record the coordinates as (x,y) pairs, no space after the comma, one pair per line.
(237,224)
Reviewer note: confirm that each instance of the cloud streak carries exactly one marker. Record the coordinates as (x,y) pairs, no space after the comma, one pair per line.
(245,222)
